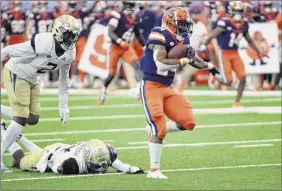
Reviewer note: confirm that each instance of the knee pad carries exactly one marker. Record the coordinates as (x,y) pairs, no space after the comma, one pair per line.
(33,119)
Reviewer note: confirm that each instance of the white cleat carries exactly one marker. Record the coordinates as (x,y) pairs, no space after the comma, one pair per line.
(4,169)
(156,174)
(102,97)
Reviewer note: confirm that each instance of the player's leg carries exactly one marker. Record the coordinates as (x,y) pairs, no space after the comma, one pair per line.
(19,98)
(225,65)
(6,111)
(28,162)
(239,69)
(131,58)
(34,107)
(15,149)
(114,56)
(152,100)
(179,110)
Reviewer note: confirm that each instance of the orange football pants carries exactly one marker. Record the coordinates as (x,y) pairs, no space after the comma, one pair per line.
(138,48)
(116,52)
(160,101)
(230,61)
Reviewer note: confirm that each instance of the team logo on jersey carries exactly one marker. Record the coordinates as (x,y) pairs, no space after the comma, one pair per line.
(229,28)
(171,43)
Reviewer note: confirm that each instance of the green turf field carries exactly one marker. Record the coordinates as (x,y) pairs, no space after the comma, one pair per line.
(226,151)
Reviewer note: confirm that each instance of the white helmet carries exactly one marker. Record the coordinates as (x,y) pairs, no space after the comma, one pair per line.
(66,31)
(100,157)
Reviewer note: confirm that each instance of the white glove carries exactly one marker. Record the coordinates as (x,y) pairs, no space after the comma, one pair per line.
(135,170)
(203,48)
(64,114)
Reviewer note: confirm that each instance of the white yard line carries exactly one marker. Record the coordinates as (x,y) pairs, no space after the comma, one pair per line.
(46,140)
(143,129)
(256,145)
(194,103)
(208,111)
(203,144)
(169,170)
(124,93)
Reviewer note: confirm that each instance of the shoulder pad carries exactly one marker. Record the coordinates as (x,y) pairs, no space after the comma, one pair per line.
(116,14)
(43,43)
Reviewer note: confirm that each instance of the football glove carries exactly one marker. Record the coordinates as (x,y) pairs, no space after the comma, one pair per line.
(191,53)
(212,69)
(135,170)
(64,114)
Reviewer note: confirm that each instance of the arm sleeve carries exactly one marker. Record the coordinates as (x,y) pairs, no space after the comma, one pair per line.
(120,166)
(64,86)
(17,50)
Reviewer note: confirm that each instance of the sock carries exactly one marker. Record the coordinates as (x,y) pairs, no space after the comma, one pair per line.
(30,146)
(14,147)
(6,111)
(10,137)
(155,151)
(120,166)
(171,127)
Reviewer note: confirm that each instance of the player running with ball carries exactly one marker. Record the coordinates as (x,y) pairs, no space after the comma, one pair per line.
(44,52)
(158,96)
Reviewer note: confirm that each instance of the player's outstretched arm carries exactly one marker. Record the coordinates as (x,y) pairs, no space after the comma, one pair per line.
(64,93)
(17,50)
(126,168)
(216,32)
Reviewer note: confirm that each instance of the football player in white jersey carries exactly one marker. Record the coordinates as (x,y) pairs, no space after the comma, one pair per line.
(89,157)
(44,52)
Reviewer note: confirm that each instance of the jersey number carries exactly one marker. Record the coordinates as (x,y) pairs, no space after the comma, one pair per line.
(44,70)
(45,26)
(235,39)
(127,35)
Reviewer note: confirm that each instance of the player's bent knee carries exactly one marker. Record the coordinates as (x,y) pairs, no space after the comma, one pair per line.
(188,125)
(33,119)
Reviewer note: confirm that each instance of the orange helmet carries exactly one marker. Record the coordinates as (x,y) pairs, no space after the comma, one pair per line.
(236,10)
(178,22)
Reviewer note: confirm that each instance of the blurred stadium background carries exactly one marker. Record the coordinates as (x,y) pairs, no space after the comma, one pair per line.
(230,149)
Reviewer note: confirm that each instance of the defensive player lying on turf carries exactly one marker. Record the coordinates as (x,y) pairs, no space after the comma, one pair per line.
(28,60)
(93,156)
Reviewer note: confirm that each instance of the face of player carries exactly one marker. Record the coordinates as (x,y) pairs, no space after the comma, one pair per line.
(128,7)
(69,39)
(17,5)
(237,15)
(71,6)
(184,29)
(268,7)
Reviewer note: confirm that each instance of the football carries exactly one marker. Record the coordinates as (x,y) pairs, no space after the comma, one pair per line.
(179,51)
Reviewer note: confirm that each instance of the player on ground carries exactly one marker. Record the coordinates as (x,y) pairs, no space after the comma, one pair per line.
(158,97)
(121,27)
(93,156)
(229,32)
(44,52)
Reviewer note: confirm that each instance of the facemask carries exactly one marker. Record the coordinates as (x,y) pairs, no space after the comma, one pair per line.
(237,17)
(267,9)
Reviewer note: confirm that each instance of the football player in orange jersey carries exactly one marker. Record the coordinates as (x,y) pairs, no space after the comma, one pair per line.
(121,27)
(159,98)
(16,23)
(229,31)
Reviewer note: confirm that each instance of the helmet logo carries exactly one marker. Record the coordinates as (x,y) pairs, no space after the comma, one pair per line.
(171,14)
